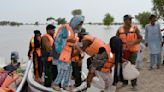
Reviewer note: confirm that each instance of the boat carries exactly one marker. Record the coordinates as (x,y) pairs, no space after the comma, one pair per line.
(34,86)
(10,78)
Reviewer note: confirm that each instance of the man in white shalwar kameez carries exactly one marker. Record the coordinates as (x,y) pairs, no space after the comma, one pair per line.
(153,39)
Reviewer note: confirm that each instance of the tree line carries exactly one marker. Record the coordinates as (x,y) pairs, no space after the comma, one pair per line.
(142,17)
(10,23)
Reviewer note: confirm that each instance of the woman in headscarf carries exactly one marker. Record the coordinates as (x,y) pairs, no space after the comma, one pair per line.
(64,45)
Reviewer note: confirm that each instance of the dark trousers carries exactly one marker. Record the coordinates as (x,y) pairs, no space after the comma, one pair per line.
(48,73)
(89,62)
(54,72)
(76,73)
(40,67)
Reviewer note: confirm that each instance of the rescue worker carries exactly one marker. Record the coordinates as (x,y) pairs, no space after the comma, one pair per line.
(76,59)
(35,53)
(100,66)
(91,46)
(65,44)
(46,47)
(131,38)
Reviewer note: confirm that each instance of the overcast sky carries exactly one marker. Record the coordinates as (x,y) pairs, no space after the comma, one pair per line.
(93,10)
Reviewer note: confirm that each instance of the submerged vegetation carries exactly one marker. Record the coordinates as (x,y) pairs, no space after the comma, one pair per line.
(10,23)
(76,12)
(108,19)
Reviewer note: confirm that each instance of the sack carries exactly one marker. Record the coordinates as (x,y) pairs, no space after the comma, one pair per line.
(103,80)
(129,71)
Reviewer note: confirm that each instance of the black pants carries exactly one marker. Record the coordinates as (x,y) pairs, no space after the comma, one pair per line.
(40,66)
(48,73)
(89,62)
(54,72)
(76,73)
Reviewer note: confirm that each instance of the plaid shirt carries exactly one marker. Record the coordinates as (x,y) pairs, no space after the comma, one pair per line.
(99,60)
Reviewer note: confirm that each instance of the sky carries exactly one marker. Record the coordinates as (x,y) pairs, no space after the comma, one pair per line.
(30,11)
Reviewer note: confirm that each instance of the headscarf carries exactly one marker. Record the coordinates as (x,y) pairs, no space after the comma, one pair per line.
(76,20)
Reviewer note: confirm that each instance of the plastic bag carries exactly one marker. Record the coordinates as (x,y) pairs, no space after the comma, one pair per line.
(129,71)
(103,80)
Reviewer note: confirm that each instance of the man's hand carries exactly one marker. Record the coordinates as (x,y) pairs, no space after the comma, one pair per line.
(162,44)
(29,56)
(146,44)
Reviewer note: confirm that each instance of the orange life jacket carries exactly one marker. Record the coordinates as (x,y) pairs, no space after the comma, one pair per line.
(51,41)
(94,47)
(111,59)
(130,36)
(76,52)
(65,54)
(38,50)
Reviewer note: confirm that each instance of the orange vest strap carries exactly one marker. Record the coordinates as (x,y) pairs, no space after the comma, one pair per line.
(111,59)
(130,36)
(51,40)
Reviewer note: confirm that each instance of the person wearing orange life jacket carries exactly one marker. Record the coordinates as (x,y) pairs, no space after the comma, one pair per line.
(46,47)
(76,59)
(131,38)
(90,45)
(35,52)
(101,65)
(64,45)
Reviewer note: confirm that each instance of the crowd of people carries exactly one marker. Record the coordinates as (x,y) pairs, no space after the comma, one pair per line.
(59,52)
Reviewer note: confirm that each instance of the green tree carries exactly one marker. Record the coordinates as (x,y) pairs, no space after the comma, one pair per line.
(76,12)
(108,19)
(158,7)
(61,21)
(50,18)
(36,23)
(143,18)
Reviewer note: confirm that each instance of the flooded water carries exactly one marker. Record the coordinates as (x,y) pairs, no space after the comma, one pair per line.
(17,38)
